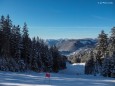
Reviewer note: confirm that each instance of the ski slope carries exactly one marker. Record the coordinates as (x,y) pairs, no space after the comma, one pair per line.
(67,77)
(74,69)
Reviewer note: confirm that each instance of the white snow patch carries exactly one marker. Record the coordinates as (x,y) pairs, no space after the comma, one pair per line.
(84,41)
(74,69)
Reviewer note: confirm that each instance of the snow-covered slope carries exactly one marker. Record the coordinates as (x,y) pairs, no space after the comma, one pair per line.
(63,78)
(74,69)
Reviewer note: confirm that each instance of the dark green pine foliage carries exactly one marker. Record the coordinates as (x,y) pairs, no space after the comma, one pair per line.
(111,46)
(26,50)
(111,49)
(1,33)
(102,45)
(106,65)
(18,43)
(15,42)
(112,65)
(56,58)
(101,48)
(38,52)
(5,27)
(7,24)
(45,56)
(15,46)
(35,56)
(89,65)
(48,59)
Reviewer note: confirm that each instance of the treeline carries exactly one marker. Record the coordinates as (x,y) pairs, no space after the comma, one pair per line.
(18,52)
(80,57)
(102,57)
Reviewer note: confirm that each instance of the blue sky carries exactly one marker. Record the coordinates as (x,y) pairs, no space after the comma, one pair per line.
(54,19)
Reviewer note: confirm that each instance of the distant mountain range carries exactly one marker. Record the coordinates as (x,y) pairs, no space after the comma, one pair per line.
(69,46)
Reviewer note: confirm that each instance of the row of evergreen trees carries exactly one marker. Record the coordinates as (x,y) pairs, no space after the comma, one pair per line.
(102,58)
(18,52)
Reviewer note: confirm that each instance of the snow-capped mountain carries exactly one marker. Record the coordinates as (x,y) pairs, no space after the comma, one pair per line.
(68,46)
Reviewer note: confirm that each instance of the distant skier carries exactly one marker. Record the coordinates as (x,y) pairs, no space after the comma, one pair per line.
(47,75)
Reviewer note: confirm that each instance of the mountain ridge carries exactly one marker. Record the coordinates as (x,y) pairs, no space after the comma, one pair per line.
(68,46)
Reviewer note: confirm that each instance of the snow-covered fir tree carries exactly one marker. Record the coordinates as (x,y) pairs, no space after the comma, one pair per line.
(111,49)
(26,50)
(34,65)
(56,56)
(101,48)
(89,65)
(106,65)
(112,65)
(7,24)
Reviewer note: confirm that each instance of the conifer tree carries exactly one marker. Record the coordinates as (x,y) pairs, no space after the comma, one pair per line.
(26,44)
(111,46)
(7,24)
(34,63)
(102,44)
(56,58)
(112,64)
(111,49)
(101,48)
(106,65)
(89,65)
(1,33)
(39,56)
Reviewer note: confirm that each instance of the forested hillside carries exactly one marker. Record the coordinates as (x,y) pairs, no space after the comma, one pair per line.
(19,52)
(101,59)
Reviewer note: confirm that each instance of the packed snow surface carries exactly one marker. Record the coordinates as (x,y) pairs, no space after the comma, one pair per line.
(72,76)
(74,69)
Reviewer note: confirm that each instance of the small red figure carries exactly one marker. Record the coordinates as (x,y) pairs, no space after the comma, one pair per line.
(47,75)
